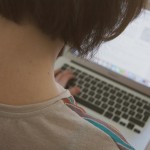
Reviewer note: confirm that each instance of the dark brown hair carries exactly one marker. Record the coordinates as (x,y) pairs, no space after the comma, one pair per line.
(83,24)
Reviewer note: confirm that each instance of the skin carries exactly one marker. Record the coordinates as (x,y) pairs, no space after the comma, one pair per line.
(27,58)
(62,77)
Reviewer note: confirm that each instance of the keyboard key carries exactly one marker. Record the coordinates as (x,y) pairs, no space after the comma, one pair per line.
(118,106)
(139,110)
(108,115)
(97,80)
(98,96)
(87,85)
(118,112)
(124,109)
(89,105)
(130,95)
(81,82)
(130,126)
(112,97)
(147,107)
(126,104)
(125,116)
(106,94)
(76,73)
(97,103)
(123,92)
(93,88)
(99,110)
(138,116)
(131,112)
(137,98)
(119,100)
(103,82)
(119,94)
(91,78)
(65,66)
(85,90)
(112,91)
(104,106)
(106,88)
(133,107)
(116,118)
(140,123)
(137,131)
(72,68)
(93,82)
(146,117)
(84,96)
(87,79)
(140,104)
(111,103)
(147,113)
(99,91)
(144,102)
(84,74)
(104,99)
(122,123)
(132,100)
(110,86)
(100,85)
(81,76)
(111,109)
(70,84)
(125,97)
(91,99)
(117,89)
(91,93)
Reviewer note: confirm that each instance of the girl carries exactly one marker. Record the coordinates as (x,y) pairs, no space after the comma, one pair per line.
(36,113)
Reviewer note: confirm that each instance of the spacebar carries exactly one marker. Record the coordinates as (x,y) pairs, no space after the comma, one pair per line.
(141,124)
(89,105)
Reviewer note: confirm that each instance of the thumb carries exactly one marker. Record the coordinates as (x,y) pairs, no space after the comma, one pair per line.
(74,91)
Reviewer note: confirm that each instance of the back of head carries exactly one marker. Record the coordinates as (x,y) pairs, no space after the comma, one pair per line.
(83,24)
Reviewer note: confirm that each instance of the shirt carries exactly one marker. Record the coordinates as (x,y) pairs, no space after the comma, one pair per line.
(56,124)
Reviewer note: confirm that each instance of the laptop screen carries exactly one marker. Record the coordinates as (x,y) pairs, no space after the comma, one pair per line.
(129,54)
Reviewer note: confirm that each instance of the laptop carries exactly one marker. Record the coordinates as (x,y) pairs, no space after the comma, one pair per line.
(115,82)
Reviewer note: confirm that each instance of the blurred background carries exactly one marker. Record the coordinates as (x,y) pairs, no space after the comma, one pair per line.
(148,4)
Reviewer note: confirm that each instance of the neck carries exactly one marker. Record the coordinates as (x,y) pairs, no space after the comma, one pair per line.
(26,64)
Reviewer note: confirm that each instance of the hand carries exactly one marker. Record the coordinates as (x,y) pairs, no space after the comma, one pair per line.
(63,77)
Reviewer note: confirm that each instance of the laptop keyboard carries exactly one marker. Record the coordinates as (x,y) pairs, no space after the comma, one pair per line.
(118,105)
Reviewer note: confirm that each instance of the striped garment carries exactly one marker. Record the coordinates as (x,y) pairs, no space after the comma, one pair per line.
(107,129)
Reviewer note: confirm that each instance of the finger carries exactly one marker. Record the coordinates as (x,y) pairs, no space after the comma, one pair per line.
(74,90)
(62,74)
(56,72)
(65,78)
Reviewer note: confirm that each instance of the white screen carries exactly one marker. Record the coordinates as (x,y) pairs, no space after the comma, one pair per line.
(129,54)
